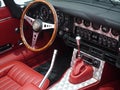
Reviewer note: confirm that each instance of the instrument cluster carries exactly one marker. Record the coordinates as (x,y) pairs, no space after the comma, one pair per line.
(40,11)
(43,12)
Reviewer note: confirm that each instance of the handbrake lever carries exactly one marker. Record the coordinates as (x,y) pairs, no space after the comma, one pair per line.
(50,69)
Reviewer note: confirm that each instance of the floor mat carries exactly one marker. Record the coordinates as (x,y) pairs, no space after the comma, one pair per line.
(62,63)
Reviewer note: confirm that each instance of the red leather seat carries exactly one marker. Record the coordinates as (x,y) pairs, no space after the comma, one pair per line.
(15,75)
(115,85)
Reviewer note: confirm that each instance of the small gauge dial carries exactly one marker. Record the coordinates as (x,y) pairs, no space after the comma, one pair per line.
(60,18)
(105,29)
(86,23)
(114,32)
(78,20)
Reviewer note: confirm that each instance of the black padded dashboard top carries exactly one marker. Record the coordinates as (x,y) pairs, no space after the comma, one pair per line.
(94,11)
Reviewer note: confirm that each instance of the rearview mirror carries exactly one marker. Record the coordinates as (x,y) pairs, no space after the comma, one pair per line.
(0,3)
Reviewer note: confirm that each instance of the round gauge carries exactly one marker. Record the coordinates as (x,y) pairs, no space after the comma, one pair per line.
(86,23)
(114,32)
(79,20)
(60,18)
(44,13)
(95,26)
(105,29)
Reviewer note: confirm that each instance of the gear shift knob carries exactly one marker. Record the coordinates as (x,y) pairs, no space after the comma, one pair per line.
(78,38)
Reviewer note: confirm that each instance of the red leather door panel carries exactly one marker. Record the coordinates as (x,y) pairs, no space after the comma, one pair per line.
(5,13)
(7,28)
(7,32)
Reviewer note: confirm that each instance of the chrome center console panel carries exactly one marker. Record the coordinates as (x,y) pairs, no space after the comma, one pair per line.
(64,83)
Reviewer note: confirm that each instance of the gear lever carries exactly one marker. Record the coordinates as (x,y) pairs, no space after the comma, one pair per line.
(78,38)
(80,71)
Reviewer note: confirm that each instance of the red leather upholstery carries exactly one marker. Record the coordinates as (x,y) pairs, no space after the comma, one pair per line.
(15,75)
(115,85)
(30,87)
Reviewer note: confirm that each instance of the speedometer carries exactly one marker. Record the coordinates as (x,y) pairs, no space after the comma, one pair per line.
(44,13)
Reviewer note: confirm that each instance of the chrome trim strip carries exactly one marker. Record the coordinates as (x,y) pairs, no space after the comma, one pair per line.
(5,19)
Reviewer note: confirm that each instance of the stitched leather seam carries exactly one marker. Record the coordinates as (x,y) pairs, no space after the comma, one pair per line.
(15,81)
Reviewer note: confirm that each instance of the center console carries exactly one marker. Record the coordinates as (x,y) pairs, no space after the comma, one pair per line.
(65,82)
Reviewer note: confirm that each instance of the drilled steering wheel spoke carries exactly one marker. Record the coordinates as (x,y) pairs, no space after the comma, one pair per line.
(29,19)
(46,26)
(34,38)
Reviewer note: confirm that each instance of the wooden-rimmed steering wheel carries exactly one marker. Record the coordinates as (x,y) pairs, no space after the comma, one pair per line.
(37,26)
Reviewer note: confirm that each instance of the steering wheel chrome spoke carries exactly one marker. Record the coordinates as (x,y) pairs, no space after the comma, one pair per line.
(34,38)
(46,26)
(29,19)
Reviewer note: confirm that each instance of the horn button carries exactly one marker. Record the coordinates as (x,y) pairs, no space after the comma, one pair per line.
(37,25)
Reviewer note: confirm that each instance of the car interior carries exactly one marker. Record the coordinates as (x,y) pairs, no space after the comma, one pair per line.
(60,45)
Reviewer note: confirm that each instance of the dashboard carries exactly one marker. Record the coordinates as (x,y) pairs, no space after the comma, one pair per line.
(100,36)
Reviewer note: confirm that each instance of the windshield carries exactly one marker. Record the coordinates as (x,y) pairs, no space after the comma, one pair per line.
(19,2)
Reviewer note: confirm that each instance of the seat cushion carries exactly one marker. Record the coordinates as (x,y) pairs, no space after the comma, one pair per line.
(15,74)
(6,83)
(30,87)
